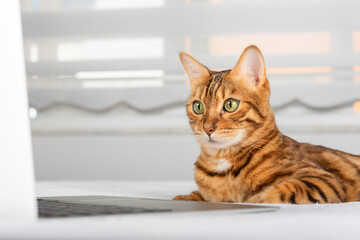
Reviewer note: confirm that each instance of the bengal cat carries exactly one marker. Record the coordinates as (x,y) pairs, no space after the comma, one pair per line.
(244,157)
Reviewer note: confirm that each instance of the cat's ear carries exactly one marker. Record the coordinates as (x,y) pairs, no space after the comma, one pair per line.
(251,66)
(195,70)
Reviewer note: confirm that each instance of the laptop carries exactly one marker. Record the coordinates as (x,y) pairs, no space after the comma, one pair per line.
(17,182)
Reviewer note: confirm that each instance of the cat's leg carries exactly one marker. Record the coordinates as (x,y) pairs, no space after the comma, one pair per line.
(194,196)
(293,191)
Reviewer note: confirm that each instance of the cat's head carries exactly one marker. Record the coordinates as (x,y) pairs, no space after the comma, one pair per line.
(226,107)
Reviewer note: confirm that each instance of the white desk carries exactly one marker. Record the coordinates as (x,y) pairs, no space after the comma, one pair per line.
(335,221)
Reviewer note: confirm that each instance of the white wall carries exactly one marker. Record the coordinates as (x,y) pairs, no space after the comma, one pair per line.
(135,157)
(158,157)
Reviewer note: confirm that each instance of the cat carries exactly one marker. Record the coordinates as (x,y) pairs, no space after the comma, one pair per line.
(244,157)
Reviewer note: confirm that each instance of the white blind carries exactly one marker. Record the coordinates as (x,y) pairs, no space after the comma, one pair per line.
(105,58)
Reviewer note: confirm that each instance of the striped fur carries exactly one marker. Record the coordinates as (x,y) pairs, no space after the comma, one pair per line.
(259,164)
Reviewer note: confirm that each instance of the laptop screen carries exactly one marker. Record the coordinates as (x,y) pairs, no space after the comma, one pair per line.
(16,171)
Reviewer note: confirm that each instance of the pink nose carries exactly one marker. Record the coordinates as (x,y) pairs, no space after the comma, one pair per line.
(209,130)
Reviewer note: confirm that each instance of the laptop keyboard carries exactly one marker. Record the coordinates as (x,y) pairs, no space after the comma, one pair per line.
(56,209)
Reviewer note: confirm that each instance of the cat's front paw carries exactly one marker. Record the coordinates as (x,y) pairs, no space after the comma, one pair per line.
(194,196)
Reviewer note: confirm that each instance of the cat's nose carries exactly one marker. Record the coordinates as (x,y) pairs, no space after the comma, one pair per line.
(209,130)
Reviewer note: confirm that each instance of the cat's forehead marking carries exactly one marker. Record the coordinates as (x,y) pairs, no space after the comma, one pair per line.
(213,89)
(213,85)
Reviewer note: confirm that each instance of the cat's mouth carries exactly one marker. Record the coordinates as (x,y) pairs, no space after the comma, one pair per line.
(220,143)
(212,140)
(215,143)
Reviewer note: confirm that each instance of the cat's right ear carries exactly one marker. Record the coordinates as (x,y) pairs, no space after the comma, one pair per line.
(251,66)
(195,70)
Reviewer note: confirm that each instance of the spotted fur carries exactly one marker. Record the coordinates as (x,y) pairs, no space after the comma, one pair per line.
(262,165)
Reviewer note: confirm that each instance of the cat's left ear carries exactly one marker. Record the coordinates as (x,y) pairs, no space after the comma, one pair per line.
(195,70)
(251,66)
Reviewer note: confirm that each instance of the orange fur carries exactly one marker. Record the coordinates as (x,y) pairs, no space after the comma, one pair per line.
(247,159)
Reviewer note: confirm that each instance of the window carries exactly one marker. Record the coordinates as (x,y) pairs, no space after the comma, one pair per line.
(91,64)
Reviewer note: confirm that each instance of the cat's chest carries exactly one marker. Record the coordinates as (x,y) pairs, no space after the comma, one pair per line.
(221,166)
(216,182)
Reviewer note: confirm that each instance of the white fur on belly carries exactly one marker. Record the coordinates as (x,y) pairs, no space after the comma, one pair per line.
(223,165)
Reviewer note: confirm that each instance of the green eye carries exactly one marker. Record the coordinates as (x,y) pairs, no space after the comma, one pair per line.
(198,107)
(231,105)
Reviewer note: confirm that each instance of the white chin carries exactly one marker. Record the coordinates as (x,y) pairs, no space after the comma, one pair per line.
(218,145)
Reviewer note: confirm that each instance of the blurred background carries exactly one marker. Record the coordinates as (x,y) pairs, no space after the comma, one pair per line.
(107,90)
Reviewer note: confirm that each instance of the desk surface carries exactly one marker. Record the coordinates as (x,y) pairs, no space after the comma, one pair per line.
(328,221)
